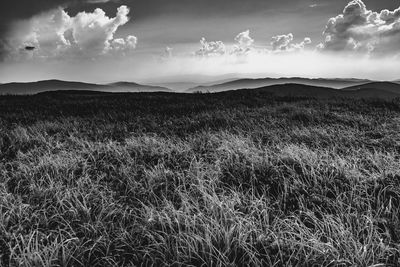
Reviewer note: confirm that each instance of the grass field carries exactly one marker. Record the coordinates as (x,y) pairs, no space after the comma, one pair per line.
(236,178)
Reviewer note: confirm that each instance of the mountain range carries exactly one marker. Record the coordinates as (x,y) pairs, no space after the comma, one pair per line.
(257,83)
(323,88)
(57,85)
(385,90)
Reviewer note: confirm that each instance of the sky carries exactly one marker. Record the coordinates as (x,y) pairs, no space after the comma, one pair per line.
(195,41)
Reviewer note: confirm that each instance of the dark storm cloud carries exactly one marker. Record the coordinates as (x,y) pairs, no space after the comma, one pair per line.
(30,48)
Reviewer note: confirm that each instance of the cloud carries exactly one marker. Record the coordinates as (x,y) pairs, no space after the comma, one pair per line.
(120,44)
(168,52)
(214,48)
(243,43)
(281,42)
(243,39)
(285,43)
(165,55)
(55,33)
(363,30)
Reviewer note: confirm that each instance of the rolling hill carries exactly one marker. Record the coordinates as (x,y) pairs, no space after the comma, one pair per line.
(257,83)
(176,86)
(283,88)
(382,86)
(30,88)
(301,90)
(134,87)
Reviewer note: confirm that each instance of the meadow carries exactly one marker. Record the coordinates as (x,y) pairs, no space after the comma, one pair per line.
(239,178)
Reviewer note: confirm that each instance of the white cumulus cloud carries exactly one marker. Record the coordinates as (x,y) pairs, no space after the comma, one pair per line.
(243,43)
(213,48)
(360,29)
(56,33)
(284,42)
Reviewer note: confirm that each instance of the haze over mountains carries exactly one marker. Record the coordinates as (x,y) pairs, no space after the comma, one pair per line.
(257,83)
(322,88)
(57,85)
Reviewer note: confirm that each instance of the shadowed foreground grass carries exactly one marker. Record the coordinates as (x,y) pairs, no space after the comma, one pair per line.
(240,178)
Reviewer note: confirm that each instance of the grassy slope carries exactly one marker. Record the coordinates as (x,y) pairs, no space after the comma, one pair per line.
(232,178)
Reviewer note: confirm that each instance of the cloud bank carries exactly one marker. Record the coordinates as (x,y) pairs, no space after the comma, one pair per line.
(357,43)
(357,31)
(56,34)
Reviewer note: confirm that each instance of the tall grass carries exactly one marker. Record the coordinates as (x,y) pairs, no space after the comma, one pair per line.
(198,180)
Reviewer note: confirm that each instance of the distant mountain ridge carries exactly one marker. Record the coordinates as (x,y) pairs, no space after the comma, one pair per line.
(280,90)
(29,88)
(283,87)
(258,83)
(302,90)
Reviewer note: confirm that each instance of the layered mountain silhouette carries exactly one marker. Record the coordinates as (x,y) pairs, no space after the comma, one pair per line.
(257,83)
(370,90)
(298,87)
(57,85)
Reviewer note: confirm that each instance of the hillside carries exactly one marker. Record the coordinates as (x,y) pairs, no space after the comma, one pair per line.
(239,178)
(383,86)
(367,90)
(301,90)
(134,87)
(30,88)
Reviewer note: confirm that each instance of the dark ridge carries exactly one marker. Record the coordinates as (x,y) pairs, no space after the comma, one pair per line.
(129,86)
(74,92)
(386,86)
(301,90)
